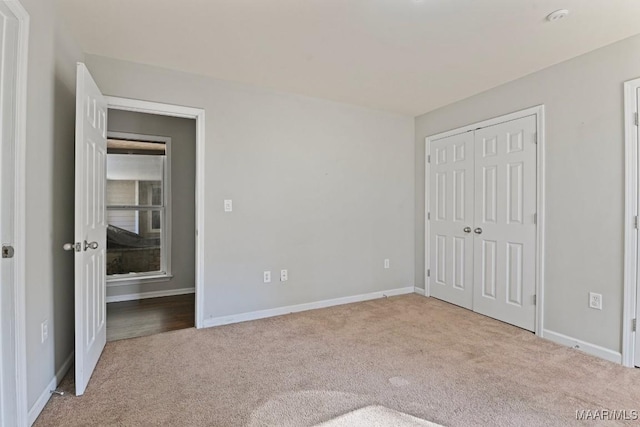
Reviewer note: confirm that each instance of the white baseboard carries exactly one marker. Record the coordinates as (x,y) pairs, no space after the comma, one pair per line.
(592,349)
(419,291)
(37,407)
(261,314)
(65,368)
(151,294)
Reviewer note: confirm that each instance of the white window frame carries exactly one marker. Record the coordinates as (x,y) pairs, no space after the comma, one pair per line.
(150,227)
(165,235)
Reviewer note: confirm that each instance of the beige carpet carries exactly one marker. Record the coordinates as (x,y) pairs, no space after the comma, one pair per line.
(409,354)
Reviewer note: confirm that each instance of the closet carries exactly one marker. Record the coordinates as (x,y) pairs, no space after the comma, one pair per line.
(482,220)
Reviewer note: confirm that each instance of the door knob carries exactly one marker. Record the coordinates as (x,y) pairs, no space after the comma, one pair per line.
(478,230)
(92,245)
(467,229)
(71,247)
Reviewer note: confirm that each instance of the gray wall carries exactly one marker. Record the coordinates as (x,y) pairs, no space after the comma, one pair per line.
(49,195)
(584,181)
(183,189)
(322,189)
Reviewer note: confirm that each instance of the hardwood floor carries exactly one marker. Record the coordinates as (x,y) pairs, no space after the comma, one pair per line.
(129,319)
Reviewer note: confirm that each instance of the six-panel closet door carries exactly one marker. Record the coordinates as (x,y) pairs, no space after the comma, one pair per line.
(452,195)
(482,229)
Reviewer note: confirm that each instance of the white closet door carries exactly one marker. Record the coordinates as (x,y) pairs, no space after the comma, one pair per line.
(451,205)
(504,229)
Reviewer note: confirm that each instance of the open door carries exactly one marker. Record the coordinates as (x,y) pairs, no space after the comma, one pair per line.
(90,227)
(9,33)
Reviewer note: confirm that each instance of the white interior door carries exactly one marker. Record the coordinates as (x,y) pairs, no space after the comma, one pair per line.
(8,67)
(505,229)
(482,227)
(451,211)
(90,226)
(636,351)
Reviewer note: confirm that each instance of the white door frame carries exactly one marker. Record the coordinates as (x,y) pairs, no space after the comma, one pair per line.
(18,362)
(631,201)
(126,104)
(537,111)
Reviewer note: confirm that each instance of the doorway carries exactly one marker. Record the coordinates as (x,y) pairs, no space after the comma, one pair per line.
(483,218)
(90,236)
(150,202)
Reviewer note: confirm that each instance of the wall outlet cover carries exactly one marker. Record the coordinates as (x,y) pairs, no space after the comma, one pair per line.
(595,300)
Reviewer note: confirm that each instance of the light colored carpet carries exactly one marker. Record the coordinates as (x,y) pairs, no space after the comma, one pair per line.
(376,416)
(411,354)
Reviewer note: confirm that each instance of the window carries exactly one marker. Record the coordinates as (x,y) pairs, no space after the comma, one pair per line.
(138,211)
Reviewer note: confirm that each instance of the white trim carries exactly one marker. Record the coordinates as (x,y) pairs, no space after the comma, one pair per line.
(41,402)
(150,107)
(198,114)
(630,211)
(60,374)
(418,290)
(592,349)
(151,294)
(427,222)
(261,314)
(540,216)
(19,241)
(537,111)
(137,279)
(44,397)
(489,122)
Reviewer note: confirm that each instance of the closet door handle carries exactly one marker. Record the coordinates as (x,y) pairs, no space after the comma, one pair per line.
(478,230)
(467,229)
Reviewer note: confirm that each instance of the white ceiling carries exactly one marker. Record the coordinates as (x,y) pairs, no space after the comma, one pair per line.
(397,55)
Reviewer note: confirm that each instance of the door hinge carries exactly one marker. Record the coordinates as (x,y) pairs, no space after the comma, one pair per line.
(429,273)
(633,325)
(429,158)
(535,299)
(429,215)
(635,222)
(535,218)
(635,119)
(535,138)
(7,251)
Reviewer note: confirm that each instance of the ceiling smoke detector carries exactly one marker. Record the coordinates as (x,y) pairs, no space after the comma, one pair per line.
(557,15)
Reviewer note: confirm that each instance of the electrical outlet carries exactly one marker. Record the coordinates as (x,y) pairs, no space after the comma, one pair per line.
(284,275)
(44,331)
(267,277)
(386,263)
(228,205)
(595,300)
